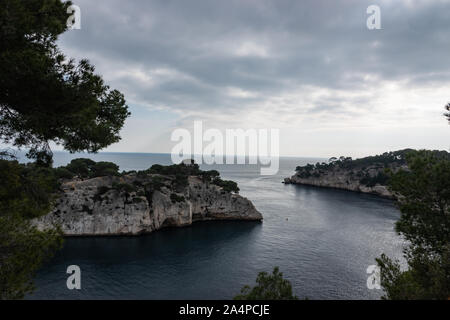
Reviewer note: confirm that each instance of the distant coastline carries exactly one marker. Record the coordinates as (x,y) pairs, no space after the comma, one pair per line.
(366,175)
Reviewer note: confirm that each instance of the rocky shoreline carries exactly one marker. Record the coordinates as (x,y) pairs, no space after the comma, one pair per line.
(341,184)
(366,175)
(135,204)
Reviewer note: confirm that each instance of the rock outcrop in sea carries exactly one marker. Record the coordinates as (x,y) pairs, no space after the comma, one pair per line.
(137,203)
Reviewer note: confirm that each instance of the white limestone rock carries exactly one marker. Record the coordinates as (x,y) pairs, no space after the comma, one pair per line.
(99,206)
(344,179)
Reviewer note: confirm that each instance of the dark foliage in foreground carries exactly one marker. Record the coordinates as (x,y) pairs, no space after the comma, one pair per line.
(46,96)
(424,203)
(268,287)
(26,192)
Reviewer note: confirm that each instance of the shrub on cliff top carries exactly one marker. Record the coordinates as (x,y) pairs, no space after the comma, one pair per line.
(81,167)
(104,168)
(123,187)
(87,168)
(227,185)
(175,169)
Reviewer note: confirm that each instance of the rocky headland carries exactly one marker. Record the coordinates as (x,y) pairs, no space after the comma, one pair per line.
(141,202)
(366,175)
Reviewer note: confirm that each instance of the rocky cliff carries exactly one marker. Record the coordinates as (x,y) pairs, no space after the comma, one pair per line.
(366,175)
(346,180)
(137,203)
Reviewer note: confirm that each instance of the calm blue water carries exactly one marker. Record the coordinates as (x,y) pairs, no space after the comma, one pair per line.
(323,241)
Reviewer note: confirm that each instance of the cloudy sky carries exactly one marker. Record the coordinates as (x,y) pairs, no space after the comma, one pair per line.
(309,68)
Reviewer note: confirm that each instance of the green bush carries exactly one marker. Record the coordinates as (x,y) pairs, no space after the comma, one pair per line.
(123,187)
(209,175)
(227,185)
(81,167)
(23,249)
(87,168)
(175,169)
(63,173)
(180,174)
(103,168)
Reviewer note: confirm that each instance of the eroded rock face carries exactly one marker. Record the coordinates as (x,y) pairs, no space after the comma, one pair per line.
(133,204)
(344,179)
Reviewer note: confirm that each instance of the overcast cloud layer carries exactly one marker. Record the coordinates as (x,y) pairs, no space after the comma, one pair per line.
(310,68)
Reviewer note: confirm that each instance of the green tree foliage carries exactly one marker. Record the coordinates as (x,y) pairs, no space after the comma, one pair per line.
(427,277)
(382,160)
(45,96)
(381,178)
(23,249)
(424,202)
(26,192)
(175,169)
(81,167)
(104,168)
(123,187)
(63,173)
(269,287)
(87,168)
(209,175)
(227,185)
(181,172)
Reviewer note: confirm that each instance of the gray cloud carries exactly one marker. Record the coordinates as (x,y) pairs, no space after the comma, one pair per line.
(195,55)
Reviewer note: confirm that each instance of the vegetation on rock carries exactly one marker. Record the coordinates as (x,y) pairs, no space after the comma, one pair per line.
(368,171)
(174,177)
(180,173)
(87,168)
